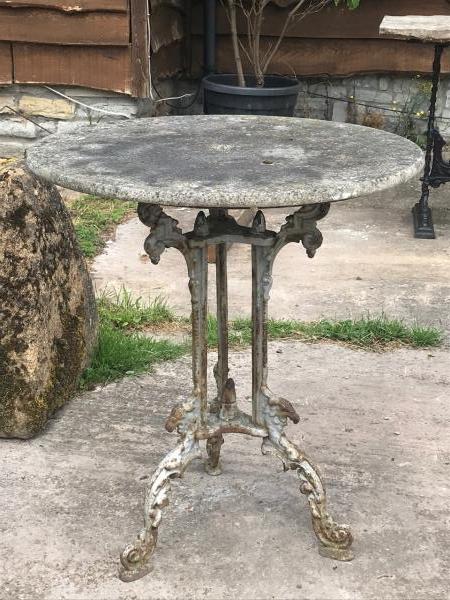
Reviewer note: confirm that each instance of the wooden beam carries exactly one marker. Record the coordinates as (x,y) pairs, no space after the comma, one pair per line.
(104,68)
(68,7)
(315,57)
(140,60)
(332,22)
(6,68)
(53,27)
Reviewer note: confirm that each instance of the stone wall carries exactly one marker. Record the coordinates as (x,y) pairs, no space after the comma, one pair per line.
(376,100)
(398,104)
(379,101)
(28,113)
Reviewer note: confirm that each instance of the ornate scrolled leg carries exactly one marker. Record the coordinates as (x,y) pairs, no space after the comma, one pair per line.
(135,558)
(334,539)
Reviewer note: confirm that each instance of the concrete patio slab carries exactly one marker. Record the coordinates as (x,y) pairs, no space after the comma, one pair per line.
(369,262)
(377,424)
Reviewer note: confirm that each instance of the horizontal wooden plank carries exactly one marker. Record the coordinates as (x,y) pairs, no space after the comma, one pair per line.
(101,68)
(53,27)
(332,22)
(311,57)
(6,68)
(68,6)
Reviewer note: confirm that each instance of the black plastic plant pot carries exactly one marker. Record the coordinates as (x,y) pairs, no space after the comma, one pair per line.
(223,96)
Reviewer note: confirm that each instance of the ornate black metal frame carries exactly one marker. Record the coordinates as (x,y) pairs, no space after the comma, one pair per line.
(196,419)
(437,171)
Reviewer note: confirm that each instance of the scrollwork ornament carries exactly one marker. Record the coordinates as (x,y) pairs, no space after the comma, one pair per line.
(136,556)
(164,232)
(302,227)
(334,539)
(440,169)
(182,418)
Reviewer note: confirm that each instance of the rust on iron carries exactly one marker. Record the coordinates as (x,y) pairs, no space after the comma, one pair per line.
(195,419)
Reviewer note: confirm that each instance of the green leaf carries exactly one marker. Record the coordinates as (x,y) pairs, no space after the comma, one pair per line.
(351,4)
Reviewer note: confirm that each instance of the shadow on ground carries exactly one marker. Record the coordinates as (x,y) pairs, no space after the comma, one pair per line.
(377,424)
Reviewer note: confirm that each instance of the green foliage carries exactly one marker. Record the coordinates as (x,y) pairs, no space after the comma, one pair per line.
(351,4)
(123,351)
(120,354)
(415,107)
(93,217)
(120,309)
(369,333)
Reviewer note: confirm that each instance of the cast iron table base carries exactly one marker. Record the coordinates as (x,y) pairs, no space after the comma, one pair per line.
(437,171)
(433,29)
(195,419)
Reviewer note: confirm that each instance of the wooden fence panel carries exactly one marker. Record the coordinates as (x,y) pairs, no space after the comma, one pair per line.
(70,7)
(311,57)
(96,67)
(167,39)
(334,41)
(6,65)
(332,22)
(54,27)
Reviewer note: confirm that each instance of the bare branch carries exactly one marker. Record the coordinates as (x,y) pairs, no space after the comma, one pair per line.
(235,40)
(254,13)
(295,15)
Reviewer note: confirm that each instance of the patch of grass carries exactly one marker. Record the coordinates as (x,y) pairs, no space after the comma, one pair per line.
(121,310)
(94,218)
(239,332)
(123,351)
(375,332)
(120,354)
(369,333)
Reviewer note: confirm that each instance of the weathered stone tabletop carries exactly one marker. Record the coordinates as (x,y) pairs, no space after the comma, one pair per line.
(434,29)
(219,163)
(227,161)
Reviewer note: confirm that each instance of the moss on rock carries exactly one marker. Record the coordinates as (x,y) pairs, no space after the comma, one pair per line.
(48,317)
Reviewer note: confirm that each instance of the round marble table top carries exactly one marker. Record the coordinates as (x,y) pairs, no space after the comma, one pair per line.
(226,161)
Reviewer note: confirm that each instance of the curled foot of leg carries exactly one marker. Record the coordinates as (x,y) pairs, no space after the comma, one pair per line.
(135,558)
(334,539)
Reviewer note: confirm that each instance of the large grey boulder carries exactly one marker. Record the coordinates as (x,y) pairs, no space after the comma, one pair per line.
(48,318)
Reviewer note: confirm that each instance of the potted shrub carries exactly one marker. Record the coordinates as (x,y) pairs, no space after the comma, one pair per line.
(258,92)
